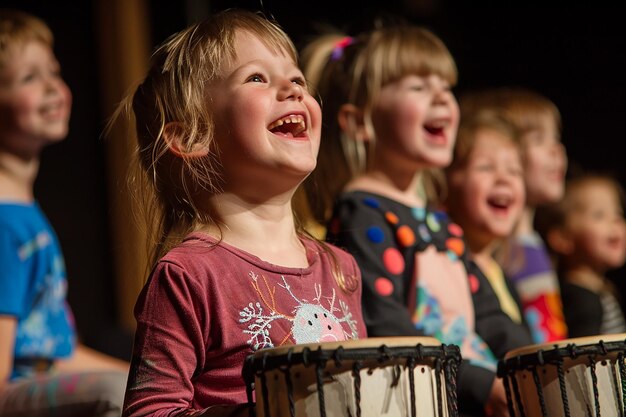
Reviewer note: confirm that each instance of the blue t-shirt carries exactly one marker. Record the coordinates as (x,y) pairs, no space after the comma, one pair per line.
(33,287)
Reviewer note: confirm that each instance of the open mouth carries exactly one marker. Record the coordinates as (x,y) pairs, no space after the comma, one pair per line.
(500,204)
(615,242)
(52,111)
(291,126)
(436,130)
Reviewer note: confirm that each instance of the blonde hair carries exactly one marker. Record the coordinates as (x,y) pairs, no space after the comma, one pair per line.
(523,107)
(470,125)
(18,28)
(174,91)
(344,70)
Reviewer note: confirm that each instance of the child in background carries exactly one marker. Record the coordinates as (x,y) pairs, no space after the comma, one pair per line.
(587,232)
(389,119)
(42,369)
(227,130)
(526,262)
(486,198)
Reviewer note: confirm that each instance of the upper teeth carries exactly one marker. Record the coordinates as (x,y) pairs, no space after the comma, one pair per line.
(437,124)
(294,118)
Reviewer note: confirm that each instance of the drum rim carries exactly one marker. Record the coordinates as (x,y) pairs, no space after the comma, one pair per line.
(370,342)
(314,355)
(530,357)
(578,341)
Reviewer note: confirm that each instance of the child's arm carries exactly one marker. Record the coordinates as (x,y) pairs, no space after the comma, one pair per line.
(85,358)
(174,362)
(497,405)
(8,327)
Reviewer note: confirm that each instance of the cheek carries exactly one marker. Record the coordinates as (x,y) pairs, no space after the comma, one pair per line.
(67,94)
(395,116)
(468,195)
(315,113)
(520,191)
(409,115)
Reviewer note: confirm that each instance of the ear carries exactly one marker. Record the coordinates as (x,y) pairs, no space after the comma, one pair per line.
(560,241)
(352,122)
(174,134)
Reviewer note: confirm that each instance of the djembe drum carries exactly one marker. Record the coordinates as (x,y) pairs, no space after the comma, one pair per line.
(575,377)
(400,376)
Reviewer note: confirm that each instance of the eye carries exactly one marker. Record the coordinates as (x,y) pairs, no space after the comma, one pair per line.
(299,80)
(483,166)
(28,77)
(56,72)
(255,78)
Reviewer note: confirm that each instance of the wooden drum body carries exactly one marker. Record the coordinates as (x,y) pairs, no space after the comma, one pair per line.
(575,377)
(400,376)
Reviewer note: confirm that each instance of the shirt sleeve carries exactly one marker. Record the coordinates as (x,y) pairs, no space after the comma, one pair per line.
(13,276)
(386,271)
(169,345)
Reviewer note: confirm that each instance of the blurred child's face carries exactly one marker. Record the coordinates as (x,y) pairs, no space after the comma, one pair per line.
(35,102)
(487,195)
(597,226)
(545,164)
(267,125)
(415,120)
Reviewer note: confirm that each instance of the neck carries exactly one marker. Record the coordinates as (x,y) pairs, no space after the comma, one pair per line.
(586,277)
(481,250)
(483,259)
(17,177)
(525,225)
(263,228)
(404,186)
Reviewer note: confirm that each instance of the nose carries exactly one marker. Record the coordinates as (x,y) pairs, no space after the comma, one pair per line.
(288,90)
(54,84)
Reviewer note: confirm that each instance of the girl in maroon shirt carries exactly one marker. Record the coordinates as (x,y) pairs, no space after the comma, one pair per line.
(227,131)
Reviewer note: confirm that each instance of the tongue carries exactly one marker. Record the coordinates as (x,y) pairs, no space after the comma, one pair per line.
(285,134)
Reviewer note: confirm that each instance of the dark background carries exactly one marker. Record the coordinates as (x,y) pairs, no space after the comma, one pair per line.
(575,55)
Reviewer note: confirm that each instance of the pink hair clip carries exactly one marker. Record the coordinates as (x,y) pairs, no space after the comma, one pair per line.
(341,44)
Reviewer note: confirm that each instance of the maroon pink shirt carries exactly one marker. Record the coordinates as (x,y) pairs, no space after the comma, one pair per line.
(207,306)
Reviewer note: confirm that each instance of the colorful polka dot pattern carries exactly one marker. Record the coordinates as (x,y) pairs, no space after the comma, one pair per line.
(429,224)
(393,261)
(474,284)
(391,218)
(405,236)
(383,286)
(375,234)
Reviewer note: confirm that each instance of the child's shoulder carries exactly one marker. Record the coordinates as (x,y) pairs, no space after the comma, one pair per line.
(13,215)
(356,204)
(326,249)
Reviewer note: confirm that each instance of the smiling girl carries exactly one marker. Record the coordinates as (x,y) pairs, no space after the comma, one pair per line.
(390,121)
(227,130)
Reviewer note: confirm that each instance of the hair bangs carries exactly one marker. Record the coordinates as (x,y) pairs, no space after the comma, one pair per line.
(415,51)
(17,29)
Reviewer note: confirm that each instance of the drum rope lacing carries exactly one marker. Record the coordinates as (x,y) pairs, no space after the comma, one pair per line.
(446,357)
(529,362)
